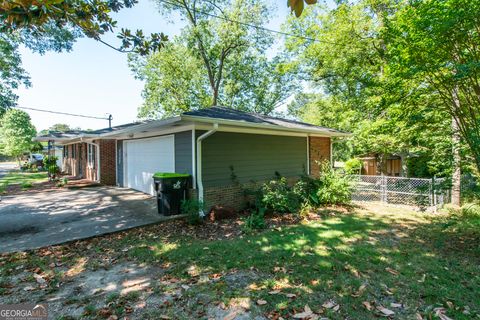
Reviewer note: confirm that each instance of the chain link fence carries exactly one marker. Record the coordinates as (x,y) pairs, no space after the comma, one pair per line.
(423,193)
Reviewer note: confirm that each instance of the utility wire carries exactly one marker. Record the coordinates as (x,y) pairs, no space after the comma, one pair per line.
(63,113)
(246,24)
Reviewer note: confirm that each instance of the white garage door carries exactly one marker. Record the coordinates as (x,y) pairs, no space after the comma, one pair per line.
(144,157)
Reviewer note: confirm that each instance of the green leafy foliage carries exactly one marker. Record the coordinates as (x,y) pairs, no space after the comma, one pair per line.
(435,43)
(50,163)
(213,62)
(16,132)
(464,220)
(349,65)
(192,209)
(329,188)
(279,197)
(92,18)
(353,166)
(333,187)
(256,220)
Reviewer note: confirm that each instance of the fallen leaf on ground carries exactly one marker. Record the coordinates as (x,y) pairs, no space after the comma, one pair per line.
(290,295)
(360,291)
(274,292)
(39,279)
(385,311)
(367,305)
(329,304)
(396,305)
(231,315)
(261,302)
(440,312)
(422,279)
(392,271)
(418,316)
(307,313)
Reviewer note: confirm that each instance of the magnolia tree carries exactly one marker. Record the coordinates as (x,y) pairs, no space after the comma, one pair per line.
(16,133)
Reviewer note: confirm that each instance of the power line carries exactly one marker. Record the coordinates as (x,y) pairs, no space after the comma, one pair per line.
(247,24)
(64,113)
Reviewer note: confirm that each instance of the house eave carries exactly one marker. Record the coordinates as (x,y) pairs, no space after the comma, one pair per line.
(237,123)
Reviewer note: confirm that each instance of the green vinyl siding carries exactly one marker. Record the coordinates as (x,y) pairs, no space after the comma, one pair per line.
(253,157)
(183,152)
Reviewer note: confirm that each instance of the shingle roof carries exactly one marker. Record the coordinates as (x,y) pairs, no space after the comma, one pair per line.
(214,113)
(76,133)
(236,115)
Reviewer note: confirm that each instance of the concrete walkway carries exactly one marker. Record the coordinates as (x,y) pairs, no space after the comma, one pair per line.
(38,219)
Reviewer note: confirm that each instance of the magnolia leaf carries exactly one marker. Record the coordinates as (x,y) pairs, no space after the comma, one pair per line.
(385,311)
(261,302)
(307,313)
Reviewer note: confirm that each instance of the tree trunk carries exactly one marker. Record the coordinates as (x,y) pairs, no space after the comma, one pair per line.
(403,165)
(457,173)
(382,163)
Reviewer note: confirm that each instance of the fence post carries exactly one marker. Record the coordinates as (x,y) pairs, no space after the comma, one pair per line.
(434,195)
(383,189)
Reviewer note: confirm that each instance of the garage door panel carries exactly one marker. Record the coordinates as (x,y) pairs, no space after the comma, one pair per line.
(144,157)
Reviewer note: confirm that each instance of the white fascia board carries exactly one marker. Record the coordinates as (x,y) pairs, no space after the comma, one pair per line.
(141,127)
(154,133)
(239,124)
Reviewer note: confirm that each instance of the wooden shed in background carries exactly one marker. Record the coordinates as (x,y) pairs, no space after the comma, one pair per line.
(371,165)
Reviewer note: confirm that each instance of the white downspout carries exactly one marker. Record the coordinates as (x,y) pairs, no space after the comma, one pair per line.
(199,162)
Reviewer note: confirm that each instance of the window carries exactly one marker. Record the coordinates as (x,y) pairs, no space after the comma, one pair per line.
(91,155)
(74,149)
(65,151)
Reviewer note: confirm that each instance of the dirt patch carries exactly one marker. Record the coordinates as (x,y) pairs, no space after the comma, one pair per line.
(128,289)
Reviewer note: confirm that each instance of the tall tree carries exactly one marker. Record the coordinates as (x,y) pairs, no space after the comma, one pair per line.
(348,65)
(16,133)
(436,42)
(214,61)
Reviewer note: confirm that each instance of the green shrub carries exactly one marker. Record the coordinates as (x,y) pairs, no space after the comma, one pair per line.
(306,190)
(192,209)
(26,185)
(256,220)
(333,187)
(50,163)
(279,197)
(3,187)
(353,166)
(465,220)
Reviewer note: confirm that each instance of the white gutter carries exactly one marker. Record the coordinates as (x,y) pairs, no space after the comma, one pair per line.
(199,163)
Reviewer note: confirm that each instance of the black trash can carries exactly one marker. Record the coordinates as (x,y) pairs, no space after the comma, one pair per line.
(171,189)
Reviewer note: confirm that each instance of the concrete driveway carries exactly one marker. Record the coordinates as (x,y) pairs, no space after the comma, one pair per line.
(38,219)
(6,167)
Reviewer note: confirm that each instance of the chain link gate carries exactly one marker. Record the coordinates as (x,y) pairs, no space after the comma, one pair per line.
(419,192)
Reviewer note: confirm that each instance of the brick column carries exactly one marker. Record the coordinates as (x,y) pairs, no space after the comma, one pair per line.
(108,157)
(319,151)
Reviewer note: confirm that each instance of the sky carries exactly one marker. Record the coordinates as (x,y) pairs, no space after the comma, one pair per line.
(95,80)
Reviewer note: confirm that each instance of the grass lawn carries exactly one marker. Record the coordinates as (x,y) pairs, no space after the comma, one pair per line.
(18,177)
(369,262)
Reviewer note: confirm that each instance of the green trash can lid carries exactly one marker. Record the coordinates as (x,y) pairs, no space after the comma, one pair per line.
(166,175)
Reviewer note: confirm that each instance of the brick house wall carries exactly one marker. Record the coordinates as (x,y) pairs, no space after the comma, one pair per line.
(76,162)
(319,151)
